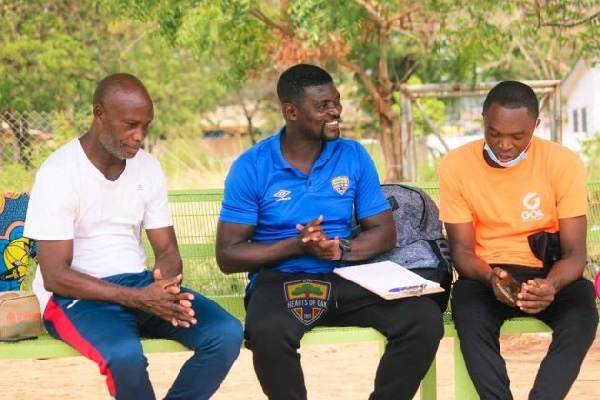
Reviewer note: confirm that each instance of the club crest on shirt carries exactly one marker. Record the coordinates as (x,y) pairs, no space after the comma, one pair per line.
(340,184)
(307,299)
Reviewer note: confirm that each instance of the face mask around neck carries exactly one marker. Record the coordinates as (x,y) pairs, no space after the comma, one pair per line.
(507,164)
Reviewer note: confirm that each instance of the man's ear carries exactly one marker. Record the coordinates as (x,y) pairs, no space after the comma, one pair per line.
(98,110)
(289,111)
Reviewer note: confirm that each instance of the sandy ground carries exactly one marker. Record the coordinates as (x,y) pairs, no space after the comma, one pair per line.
(332,372)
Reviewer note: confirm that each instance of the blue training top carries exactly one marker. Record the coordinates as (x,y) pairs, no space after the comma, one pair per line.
(264,191)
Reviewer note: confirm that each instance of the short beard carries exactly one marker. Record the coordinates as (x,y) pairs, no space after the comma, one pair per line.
(111,149)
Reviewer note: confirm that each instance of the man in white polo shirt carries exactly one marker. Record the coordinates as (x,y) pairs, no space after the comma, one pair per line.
(91,199)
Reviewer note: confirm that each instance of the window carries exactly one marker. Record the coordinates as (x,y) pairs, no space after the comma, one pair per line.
(584,120)
(575,124)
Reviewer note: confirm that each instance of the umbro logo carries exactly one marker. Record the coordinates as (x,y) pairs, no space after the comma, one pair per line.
(282,195)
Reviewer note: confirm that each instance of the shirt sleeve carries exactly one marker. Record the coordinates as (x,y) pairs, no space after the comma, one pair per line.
(571,189)
(52,206)
(370,199)
(240,201)
(453,206)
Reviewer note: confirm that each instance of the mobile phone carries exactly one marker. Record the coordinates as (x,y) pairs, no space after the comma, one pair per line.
(509,287)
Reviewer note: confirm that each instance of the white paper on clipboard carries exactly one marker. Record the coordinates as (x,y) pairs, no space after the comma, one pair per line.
(389,280)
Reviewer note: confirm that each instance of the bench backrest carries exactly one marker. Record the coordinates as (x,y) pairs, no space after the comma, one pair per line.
(195,214)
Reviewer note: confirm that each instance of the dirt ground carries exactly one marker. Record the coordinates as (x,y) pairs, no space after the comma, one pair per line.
(332,372)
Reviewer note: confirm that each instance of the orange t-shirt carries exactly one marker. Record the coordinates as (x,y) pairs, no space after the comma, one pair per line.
(508,204)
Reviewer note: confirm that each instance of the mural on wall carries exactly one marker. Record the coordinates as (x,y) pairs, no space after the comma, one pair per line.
(15,249)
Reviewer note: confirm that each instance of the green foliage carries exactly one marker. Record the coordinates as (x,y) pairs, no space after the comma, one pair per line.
(192,53)
(427,171)
(15,178)
(489,40)
(568,22)
(53,52)
(375,151)
(434,108)
(591,150)
(210,31)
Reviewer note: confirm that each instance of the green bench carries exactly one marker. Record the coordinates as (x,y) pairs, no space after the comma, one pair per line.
(195,215)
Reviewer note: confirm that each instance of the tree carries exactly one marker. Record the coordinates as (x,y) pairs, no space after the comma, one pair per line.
(519,40)
(43,62)
(50,53)
(54,52)
(381,42)
(252,37)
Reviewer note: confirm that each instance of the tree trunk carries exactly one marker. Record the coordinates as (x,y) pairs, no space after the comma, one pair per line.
(392,148)
(398,156)
(250,128)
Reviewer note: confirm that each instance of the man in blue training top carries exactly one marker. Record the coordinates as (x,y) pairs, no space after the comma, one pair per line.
(286,219)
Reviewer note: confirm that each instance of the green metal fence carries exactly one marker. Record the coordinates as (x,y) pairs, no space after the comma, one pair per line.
(195,215)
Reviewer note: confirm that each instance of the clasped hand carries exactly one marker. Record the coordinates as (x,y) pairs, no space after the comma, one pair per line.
(534,296)
(164,298)
(313,240)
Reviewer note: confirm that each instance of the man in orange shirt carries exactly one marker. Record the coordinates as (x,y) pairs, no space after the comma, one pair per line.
(500,198)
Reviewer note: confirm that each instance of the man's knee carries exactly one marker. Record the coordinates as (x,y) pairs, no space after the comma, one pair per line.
(224,336)
(581,326)
(230,335)
(429,322)
(126,358)
(578,314)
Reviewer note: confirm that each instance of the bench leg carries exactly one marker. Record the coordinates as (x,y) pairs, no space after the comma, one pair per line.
(429,384)
(463,387)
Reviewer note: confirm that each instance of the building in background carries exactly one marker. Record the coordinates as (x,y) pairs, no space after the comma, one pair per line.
(581,92)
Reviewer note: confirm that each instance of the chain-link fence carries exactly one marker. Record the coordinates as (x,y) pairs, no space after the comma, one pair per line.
(190,160)
(26,139)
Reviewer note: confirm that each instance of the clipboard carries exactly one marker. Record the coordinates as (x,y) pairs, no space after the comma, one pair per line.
(388,280)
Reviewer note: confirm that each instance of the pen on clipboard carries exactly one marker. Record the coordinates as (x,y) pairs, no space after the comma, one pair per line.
(409,289)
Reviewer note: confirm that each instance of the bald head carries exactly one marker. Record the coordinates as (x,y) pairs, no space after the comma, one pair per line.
(123,111)
(119,82)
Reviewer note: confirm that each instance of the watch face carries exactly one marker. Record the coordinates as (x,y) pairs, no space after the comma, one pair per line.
(345,244)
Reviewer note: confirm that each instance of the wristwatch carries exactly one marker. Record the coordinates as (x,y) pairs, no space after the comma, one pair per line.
(345,247)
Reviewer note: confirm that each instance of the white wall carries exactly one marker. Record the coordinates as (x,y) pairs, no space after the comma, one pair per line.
(585,94)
